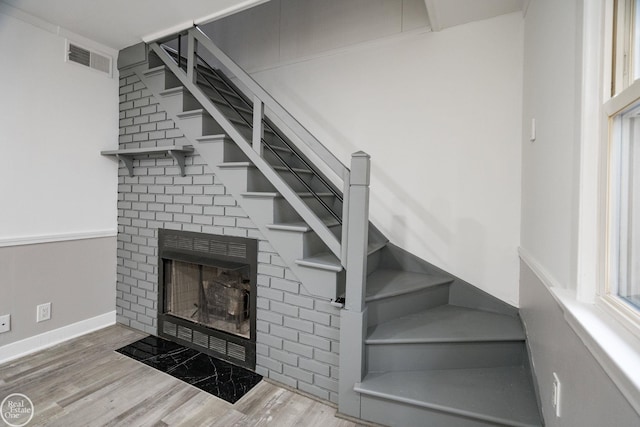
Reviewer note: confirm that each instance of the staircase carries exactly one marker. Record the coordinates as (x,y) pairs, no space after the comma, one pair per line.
(418,346)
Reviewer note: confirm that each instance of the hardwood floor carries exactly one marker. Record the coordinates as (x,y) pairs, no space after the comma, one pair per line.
(83,382)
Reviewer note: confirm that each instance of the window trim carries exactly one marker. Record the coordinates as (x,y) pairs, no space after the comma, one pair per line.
(610,106)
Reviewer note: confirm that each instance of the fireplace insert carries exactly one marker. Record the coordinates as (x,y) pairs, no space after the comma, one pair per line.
(207,293)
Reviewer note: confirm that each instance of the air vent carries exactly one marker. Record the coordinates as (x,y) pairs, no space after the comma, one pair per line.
(218,345)
(204,245)
(88,58)
(200,339)
(184,333)
(169,328)
(236,351)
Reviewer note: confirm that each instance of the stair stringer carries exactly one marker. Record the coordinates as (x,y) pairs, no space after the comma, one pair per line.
(324,284)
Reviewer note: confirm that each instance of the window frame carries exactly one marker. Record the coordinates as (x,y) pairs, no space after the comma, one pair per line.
(623,93)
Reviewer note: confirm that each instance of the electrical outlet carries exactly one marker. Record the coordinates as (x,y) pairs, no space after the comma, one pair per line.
(556,394)
(5,323)
(44,312)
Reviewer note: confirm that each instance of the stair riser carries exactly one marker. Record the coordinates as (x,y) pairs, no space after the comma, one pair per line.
(302,244)
(269,210)
(243,179)
(231,113)
(296,182)
(161,80)
(179,102)
(198,125)
(220,151)
(320,210)
(392,308)
(289,158)
(296,245)
(415,357)
(396,414)
(373,261)
(220,93)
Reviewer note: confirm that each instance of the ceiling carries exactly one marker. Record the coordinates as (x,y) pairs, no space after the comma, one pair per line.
(121,23)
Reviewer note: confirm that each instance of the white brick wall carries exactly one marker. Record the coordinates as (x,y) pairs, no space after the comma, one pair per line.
(297,334)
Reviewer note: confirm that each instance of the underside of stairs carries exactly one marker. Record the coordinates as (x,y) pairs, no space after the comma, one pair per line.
(436,351)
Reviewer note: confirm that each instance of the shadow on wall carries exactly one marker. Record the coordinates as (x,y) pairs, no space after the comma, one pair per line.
(402,228)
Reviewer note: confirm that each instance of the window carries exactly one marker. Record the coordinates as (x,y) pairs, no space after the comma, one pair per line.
(622,281)
(624,206)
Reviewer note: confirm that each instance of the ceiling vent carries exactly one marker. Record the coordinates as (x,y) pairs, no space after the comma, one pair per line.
(88,58)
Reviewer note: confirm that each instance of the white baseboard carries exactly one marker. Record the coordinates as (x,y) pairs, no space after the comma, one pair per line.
(48,339)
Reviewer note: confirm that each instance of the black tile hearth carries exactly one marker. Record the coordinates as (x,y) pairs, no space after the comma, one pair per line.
(215,376)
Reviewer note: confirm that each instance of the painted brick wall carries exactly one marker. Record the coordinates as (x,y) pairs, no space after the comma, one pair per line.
(297,334)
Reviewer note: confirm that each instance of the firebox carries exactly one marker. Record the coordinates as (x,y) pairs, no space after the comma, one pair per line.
(207,293)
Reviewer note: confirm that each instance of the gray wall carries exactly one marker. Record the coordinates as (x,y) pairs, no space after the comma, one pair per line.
(75,276)
(589,397)
(297,335)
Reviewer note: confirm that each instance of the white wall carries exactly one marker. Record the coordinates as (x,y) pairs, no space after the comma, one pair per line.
(440,114)
(55,118)
(552,67)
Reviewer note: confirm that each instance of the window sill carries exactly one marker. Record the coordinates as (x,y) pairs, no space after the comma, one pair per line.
(613,346)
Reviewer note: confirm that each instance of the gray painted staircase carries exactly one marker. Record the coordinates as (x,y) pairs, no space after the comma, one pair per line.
(437,351)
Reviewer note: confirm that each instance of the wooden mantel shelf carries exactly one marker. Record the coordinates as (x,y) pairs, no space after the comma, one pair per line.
(127,155)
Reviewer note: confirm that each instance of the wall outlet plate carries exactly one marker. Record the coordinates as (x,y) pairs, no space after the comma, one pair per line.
(5,323)
(43,312)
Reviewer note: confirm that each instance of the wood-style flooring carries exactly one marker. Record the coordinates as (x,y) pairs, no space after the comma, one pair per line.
(84,382)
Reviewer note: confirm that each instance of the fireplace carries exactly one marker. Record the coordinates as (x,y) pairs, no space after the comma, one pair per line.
(207,293)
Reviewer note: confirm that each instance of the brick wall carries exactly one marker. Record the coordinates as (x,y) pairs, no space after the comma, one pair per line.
(297,334)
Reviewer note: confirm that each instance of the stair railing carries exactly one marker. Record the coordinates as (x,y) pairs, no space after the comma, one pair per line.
(258,141)
(262,99)
(355,182)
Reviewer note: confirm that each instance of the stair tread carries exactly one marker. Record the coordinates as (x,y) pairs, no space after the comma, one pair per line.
(328,261)
(231,165)
(301,226)
(212,138)
(191,113)
(323,261)
(386,283)
(501,395)
(173,91)
(274,194)
(447,323)
(154,70)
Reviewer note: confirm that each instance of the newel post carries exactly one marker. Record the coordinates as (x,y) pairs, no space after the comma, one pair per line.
(358,231)
(353,317)
(192,45)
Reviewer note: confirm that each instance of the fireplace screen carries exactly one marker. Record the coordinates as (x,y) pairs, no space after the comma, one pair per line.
(206,293)
(212,296)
